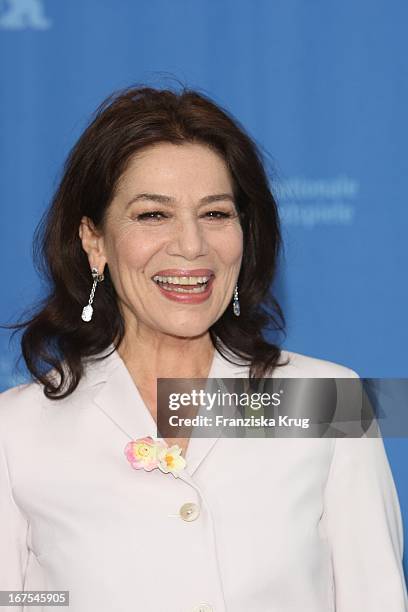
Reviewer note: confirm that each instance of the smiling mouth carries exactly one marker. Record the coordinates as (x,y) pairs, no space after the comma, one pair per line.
(183,284)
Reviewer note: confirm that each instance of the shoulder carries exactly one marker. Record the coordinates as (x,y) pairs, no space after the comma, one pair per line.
(20,407)
(25,408)
(28,418)
(306,366)
(290,365)
(16,399)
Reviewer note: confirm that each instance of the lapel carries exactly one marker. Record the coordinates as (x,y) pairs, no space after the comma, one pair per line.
(119,399)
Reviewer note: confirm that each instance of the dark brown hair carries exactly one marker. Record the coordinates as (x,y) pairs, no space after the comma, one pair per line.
(126,122)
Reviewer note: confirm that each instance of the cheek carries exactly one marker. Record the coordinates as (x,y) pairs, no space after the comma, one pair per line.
(229,244)
(132,248)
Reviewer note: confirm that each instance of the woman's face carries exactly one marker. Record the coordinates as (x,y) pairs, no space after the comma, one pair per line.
(166,221)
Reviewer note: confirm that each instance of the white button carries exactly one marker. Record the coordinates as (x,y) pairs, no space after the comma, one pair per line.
(189,512)
(203,607)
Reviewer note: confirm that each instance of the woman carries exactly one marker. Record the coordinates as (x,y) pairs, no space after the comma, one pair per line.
(160,247)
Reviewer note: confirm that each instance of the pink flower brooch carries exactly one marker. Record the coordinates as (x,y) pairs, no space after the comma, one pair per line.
(149,454)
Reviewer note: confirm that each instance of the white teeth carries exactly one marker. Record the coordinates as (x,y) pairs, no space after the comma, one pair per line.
(181,280)
(180,290)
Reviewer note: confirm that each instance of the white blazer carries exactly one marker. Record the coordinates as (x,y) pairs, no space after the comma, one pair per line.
(280,525)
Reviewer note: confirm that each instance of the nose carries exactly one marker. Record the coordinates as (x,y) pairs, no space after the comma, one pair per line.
(188,239)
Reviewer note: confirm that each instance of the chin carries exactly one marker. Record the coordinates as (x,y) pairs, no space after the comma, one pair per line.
(187,329)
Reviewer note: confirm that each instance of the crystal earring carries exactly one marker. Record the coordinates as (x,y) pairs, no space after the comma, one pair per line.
(235,304)
(87,310)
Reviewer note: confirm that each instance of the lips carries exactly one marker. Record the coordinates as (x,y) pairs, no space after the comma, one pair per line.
(194,295)
(185,291)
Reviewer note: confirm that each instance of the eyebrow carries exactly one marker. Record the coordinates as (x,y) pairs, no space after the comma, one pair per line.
(163,199)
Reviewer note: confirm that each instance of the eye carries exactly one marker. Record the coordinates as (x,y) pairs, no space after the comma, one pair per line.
(157,215)
(151,216)
(218,214)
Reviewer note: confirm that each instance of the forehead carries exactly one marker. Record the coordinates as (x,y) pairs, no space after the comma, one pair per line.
(174,168)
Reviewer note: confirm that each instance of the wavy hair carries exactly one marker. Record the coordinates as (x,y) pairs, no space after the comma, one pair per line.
(54,336)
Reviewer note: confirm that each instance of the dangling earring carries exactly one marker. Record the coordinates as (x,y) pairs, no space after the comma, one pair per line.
(235,304)
(87,311)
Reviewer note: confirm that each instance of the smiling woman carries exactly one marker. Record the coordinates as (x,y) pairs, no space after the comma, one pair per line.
(160,248)
(157,181)
(202,235)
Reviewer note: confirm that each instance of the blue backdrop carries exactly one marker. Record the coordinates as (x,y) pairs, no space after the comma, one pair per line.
(322,86)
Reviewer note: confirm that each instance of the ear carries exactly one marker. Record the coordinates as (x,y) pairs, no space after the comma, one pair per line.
(93,244)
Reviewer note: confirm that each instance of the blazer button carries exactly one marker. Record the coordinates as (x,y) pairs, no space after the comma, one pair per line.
(204,607)
(189,512)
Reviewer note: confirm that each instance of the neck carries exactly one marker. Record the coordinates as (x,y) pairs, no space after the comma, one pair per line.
(152,356)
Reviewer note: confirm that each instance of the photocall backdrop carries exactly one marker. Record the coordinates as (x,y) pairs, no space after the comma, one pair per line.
(322,88)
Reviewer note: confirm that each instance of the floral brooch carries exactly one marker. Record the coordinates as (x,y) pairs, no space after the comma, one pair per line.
(149,454)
